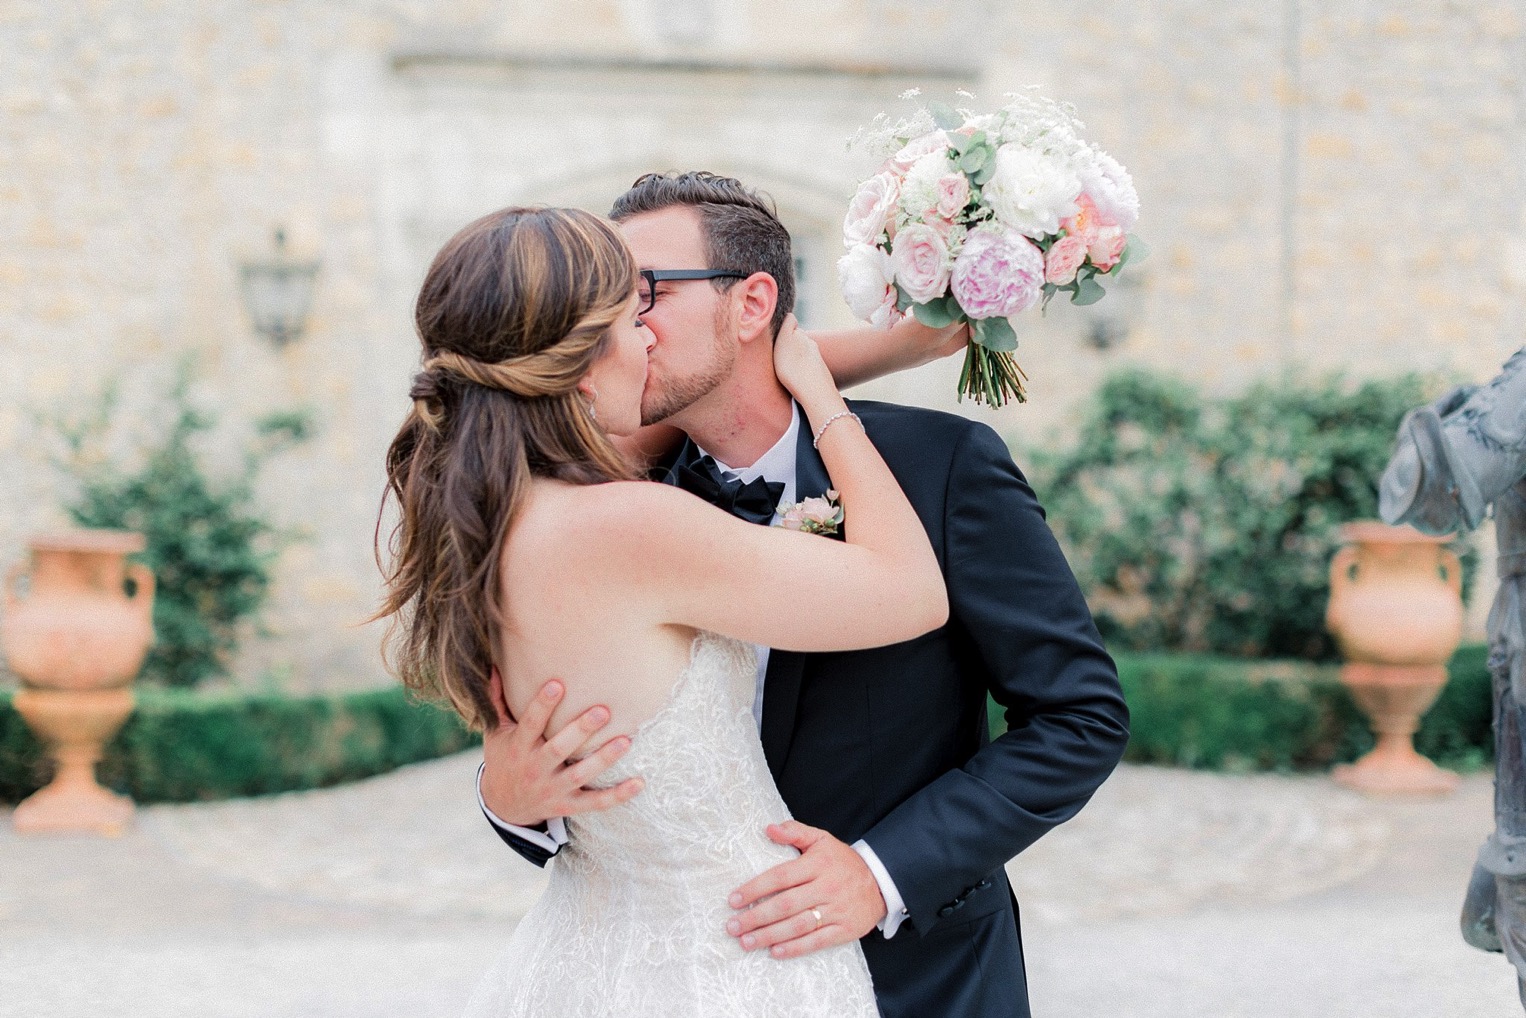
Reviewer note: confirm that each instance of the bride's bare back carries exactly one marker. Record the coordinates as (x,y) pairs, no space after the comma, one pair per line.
(568,619)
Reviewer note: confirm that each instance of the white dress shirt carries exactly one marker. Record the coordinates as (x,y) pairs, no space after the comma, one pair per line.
(776,465)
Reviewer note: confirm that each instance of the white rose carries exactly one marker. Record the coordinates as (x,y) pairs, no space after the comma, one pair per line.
(865,273)
(1111,189)
(1031,192)
(870,210)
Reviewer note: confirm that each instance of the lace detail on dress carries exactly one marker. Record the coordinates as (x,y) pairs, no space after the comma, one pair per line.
(632,923)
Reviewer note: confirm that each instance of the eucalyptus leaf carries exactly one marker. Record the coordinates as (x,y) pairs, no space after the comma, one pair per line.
(1050,290)
(974,159)
(1088,291)
(995,334)
(944,115)
(902,302)
(1137,249)
(984,174)
(934,314)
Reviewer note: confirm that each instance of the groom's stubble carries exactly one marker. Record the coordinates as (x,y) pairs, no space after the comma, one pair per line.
(671,392)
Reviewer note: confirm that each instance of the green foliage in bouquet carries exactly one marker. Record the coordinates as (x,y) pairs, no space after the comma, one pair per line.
(1208,525)
(210,546)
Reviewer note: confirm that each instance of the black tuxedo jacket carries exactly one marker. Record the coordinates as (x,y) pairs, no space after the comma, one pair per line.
(891,745)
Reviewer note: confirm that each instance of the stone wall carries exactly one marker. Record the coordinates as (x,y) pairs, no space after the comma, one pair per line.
(1322,189)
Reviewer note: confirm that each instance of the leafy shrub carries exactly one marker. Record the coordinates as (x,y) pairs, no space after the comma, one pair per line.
(180,746)
(209,545)
(1208,525)
(1190,710)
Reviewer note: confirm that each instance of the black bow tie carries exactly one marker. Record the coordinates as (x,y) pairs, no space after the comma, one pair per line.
(754,501)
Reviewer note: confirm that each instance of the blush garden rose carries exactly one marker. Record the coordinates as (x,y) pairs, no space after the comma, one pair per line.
(819,515)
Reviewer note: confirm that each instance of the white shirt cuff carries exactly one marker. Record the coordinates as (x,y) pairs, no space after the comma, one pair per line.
(551,839)
(895,905)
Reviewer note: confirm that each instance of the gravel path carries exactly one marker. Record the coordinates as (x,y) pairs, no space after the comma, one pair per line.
(1173,894)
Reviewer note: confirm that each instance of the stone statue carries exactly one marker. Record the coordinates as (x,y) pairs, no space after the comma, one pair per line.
(1456,458)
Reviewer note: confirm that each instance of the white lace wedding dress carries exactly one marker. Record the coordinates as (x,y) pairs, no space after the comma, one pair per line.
(632,923)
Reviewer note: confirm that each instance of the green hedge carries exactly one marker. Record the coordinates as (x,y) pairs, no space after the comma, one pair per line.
(180,746)
(1232,714)
(1188,711)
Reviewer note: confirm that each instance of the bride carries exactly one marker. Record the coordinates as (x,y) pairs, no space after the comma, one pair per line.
(526,540)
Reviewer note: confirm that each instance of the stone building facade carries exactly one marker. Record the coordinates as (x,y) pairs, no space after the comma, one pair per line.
(1324,188)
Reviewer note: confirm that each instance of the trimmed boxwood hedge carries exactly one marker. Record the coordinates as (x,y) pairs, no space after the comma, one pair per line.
(181,746)
(1187,711)
(1233,714)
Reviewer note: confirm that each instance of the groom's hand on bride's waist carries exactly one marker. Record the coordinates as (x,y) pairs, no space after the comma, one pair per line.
(526,778)
(826,897)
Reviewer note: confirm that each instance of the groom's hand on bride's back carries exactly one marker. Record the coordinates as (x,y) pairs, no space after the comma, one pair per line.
(826,897)
(527,778)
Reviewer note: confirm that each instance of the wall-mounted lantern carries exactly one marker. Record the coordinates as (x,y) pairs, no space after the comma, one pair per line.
(278,293)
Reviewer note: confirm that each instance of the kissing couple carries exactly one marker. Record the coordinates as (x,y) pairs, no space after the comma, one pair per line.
(759,754)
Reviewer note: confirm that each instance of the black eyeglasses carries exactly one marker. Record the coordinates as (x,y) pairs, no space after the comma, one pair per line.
(647,296)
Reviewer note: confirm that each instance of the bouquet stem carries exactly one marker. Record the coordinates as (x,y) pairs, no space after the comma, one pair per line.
(991,377)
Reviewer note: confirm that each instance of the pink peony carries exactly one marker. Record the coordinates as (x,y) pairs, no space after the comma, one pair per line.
(1064,259)
(998,273)
(871,209)
(922,263)
(953,195)
(933,141)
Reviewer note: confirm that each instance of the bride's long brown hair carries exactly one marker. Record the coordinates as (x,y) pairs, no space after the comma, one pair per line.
(514,311)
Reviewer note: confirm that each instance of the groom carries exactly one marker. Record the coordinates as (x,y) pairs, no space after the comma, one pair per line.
(905,811)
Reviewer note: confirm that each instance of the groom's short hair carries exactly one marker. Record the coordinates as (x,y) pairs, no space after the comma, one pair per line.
(741,226)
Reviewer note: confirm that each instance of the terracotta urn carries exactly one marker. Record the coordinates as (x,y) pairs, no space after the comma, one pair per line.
(1396,614)
(77,640)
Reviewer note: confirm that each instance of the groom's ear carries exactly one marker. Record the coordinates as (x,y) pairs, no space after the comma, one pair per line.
(756,298)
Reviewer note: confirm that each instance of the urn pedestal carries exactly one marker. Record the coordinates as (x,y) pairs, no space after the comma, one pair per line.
(1394,698)
(1396,613)
(77,640)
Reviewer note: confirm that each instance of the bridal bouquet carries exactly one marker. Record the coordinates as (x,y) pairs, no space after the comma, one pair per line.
(979,217)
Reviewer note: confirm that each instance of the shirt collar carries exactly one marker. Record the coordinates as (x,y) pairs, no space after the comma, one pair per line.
(778,463)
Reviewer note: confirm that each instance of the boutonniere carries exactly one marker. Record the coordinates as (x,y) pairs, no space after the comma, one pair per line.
(821,515)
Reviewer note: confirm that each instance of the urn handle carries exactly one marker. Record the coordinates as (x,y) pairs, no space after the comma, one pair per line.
(1341,567)
(14,573)
(143,596)
(1451,570)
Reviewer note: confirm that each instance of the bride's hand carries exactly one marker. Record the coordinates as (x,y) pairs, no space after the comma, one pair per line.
(798,363)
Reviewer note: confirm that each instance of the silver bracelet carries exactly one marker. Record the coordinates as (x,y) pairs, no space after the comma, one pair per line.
(816,442)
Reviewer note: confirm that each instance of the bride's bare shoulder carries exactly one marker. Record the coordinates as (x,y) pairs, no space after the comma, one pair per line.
(599,519)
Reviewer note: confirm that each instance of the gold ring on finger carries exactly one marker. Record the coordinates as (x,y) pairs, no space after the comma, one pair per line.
(817,913)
